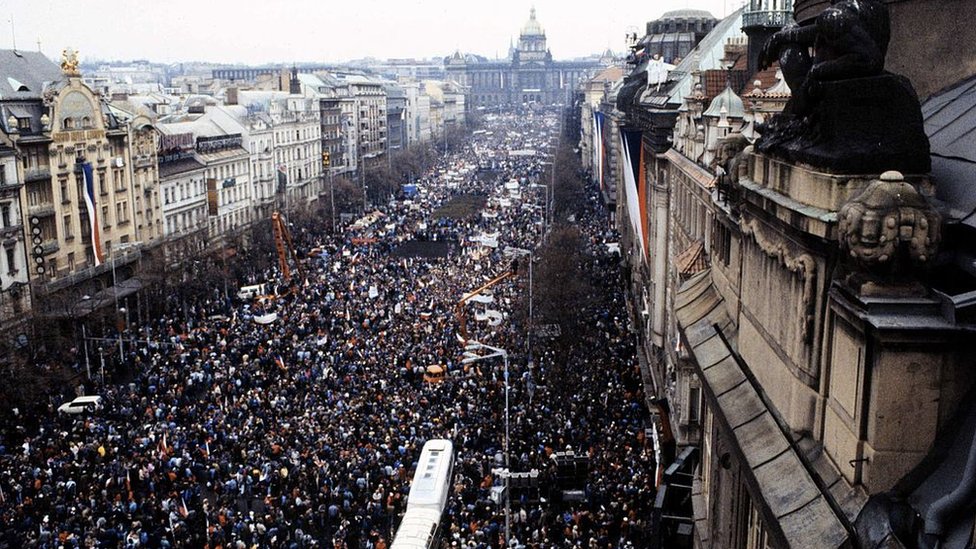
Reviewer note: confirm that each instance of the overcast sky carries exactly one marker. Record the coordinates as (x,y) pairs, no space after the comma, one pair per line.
(321,30)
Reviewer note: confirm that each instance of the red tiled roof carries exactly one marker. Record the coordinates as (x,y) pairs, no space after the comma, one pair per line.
(767,77)
(717,79)
(692,260)
(741,63)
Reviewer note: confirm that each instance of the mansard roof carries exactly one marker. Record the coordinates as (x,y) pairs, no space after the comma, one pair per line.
(26,74)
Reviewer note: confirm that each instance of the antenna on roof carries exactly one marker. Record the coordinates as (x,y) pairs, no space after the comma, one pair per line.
(13,34)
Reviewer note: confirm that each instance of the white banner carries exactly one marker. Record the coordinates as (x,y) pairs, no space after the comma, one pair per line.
(633,198)
(266,319)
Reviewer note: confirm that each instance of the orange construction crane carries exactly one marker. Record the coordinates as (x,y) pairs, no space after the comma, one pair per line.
(284,246)
(459,310)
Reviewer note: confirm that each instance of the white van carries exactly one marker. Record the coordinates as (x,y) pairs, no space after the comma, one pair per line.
(81,404)
(250,292)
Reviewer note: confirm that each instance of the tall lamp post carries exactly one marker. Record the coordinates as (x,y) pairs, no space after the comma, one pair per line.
(332,196)
(470,356)
(362,176)
(523,252)
(121,312)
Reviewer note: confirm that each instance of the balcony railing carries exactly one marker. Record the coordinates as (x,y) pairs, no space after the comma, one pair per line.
(37,173)
(50,247)
(767,18)
(12,231)
(143,161)
(41,210)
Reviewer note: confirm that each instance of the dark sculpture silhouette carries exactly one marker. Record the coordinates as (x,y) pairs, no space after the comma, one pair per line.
(844,108)
(849,40)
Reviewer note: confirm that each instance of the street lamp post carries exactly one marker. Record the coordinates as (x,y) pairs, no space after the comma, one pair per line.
(362,176)
(471,356)
(115,294)
(528,338)
(101,355)
(332,196)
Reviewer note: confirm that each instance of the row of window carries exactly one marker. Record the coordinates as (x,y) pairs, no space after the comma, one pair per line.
(227,171)
(122,216)
(295,153)
(232,220)
(184,190)
(690,212)
(83,123)
(305,134)
(188,220)
(747,529)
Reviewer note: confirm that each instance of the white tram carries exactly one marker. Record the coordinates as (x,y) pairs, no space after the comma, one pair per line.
(431,485)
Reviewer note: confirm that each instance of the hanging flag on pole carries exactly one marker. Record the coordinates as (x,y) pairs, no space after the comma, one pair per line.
(601,147)
(630,148)
(89,186)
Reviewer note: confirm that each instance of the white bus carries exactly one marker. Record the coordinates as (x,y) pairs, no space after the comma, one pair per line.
(431,485)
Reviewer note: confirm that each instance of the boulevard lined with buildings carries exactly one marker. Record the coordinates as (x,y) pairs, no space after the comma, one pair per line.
(184,169)
(796,239)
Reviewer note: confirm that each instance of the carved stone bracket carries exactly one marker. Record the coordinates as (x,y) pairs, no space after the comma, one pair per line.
(889,229)
(802,264)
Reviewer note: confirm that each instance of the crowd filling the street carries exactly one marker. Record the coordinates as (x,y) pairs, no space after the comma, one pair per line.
(296,420)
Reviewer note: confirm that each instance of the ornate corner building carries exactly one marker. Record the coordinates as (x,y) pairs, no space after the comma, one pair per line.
(798,234)
(86,178)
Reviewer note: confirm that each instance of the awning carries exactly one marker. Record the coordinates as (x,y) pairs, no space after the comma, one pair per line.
(88,304)
(785,487)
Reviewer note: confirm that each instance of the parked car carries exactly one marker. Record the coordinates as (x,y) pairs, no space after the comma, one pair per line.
(82,404)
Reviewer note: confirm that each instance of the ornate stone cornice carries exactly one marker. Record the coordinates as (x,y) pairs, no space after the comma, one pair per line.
(802,264)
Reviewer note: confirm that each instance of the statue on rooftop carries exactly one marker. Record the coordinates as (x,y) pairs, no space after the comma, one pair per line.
(846,114)
(69,62)
(849,40)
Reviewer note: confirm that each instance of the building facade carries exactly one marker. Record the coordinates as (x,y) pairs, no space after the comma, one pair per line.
(15,296)
(528,76)
(787,359)
(396,107)
(298,147)
(417,113)
(368,116)
(183,186)
(80,198)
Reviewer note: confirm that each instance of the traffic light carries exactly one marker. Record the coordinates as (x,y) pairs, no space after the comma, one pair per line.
(326,159)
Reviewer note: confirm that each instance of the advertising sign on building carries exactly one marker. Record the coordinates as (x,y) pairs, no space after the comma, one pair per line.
(218,142)
(212,196)
(177,142)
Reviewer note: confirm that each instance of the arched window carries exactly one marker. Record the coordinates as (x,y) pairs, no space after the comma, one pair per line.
(68,123)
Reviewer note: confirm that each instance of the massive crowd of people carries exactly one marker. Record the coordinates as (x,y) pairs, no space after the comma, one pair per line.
(304,431)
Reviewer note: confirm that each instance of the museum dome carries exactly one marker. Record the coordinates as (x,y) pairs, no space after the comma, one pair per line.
(687,14)
(532,27)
